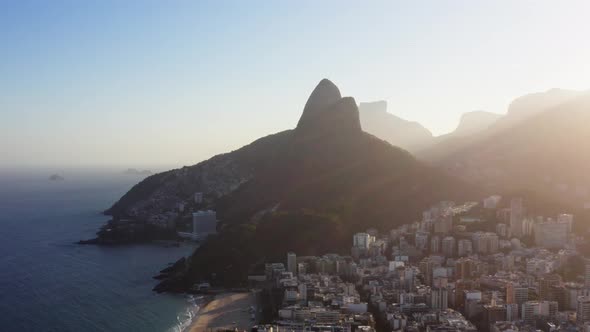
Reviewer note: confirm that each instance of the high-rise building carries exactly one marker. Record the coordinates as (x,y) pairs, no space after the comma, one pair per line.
(302,290)
(464,268)
(516,294)
(516,217)
(448,246)
(198,197)
(559,294)
(551,234)
(502,230)
(491,202)
(493,313)
(204,223)
(548,309)
(421,240)
(464,248)
(587,275)
(511,312)
(530,309)
(444,224)
(546,283)
(573,291)
(485,242)
(567,219)
(510,295)
(462,286)
(521,294)
(292,262)
(362,240)
(439,296)
(435,244)
(427,266)
(583,312)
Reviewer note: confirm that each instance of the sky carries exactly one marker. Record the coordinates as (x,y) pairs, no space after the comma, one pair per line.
(171,83)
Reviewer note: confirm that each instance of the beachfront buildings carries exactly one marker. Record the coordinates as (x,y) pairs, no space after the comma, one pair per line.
(204,223)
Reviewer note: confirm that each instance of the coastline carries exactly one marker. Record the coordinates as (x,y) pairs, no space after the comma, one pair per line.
(225,311)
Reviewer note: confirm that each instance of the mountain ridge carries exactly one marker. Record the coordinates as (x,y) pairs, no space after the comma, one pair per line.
(326,174)
(545,152)
(409,135)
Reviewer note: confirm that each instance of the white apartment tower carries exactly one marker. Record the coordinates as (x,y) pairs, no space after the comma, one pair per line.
(516,217)
(583,312)
(292,262)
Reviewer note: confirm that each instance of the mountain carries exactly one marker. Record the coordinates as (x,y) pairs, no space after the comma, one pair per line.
(483,125)
(529,105)
(308,189)
(547,151)
(408,135)
(475,122)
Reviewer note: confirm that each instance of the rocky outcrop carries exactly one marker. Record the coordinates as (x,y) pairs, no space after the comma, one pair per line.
(325,94)
(405,134)
(474,122)
(327,113)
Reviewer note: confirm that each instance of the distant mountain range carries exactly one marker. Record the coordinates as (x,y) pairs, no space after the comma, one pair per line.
(412,136)
(540,144)
(543,144)
(405,134)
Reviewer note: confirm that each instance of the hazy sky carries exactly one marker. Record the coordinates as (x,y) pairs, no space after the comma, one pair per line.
(140,83)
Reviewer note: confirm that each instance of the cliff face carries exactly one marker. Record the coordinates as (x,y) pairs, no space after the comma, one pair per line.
(475,122)
(407,135)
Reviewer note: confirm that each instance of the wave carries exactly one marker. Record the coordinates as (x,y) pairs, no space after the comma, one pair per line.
(186,318)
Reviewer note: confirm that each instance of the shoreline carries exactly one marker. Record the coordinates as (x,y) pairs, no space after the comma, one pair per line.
(203,303)
(228,310)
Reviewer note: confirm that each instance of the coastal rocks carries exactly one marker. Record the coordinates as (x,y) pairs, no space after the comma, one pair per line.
(178,266)
(176,284)
(172,278)
(128,231)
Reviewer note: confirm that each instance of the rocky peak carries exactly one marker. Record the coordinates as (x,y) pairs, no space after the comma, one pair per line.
(326,110)
(374,106)
(475,121)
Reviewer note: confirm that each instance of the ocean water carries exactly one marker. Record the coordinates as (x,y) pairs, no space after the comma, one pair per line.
(48,283)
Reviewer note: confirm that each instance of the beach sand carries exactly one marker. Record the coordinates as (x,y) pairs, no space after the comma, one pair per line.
(226,311)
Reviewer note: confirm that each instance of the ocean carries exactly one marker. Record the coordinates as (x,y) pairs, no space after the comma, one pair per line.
(49,283)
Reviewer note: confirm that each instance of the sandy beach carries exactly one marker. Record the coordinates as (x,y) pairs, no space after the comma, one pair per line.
(226,311)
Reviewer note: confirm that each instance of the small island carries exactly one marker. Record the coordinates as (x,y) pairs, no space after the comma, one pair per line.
(135,171)
(56,177)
